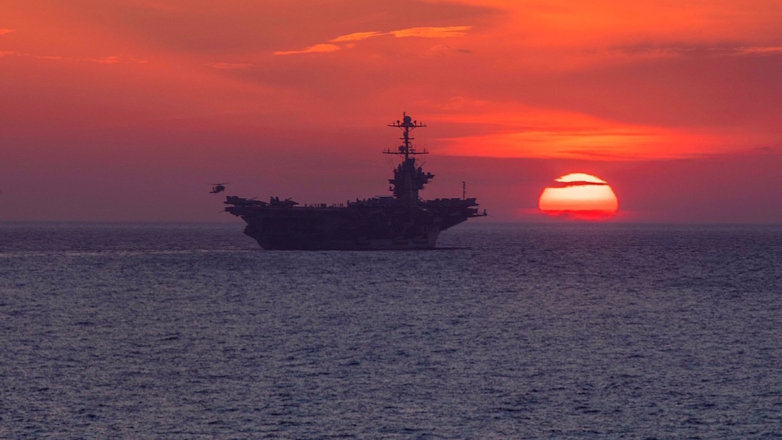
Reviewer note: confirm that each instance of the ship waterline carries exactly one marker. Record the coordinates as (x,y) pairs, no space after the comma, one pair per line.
(401,221)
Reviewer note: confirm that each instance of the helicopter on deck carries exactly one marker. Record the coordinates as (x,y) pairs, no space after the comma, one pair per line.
(218,187)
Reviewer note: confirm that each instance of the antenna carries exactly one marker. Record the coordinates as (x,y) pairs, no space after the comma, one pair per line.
(406,149)
(464,190)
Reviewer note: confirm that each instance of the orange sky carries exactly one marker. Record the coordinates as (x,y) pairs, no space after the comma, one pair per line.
(125,110)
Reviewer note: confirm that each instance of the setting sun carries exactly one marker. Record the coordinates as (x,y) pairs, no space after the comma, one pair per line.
(581,196)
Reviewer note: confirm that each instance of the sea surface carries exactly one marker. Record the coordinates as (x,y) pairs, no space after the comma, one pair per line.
(515,331)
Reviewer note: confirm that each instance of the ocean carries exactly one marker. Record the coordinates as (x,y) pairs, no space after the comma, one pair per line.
(510,331)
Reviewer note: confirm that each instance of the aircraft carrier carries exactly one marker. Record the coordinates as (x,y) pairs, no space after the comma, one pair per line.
(401,221)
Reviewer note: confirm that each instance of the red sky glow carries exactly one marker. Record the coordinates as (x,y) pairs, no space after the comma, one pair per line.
(127,110)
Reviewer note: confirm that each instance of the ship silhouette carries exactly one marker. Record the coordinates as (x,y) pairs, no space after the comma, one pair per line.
(401,221)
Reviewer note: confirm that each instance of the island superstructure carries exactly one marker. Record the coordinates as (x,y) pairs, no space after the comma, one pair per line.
(401,221)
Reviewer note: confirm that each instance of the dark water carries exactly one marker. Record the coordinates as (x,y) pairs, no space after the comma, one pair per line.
(581,331)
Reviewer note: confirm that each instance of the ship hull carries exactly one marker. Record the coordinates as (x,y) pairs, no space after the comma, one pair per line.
(343,229)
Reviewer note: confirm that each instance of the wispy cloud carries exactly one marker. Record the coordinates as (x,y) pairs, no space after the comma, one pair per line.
(105,60)
(113,60)
(351,39)
(506,130)
(230,66)
(101,60)
(317,48)
(432,32)
(6,31)
(357,36)
(443,50)
(762,50)
(679,51)
(578,179)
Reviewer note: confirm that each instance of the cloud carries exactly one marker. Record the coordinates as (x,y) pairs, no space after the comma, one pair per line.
(113,60)
(443,49)
(432,32)
(6,31)
(105,60)
(762,50)
(356,36)
(230,66)
(497,129)
(560,184)
(418,32)
(318,48)
(102,60)
(677,51)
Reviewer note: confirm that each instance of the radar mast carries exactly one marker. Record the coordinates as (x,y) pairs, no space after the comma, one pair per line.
(408,178)
(407,124)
